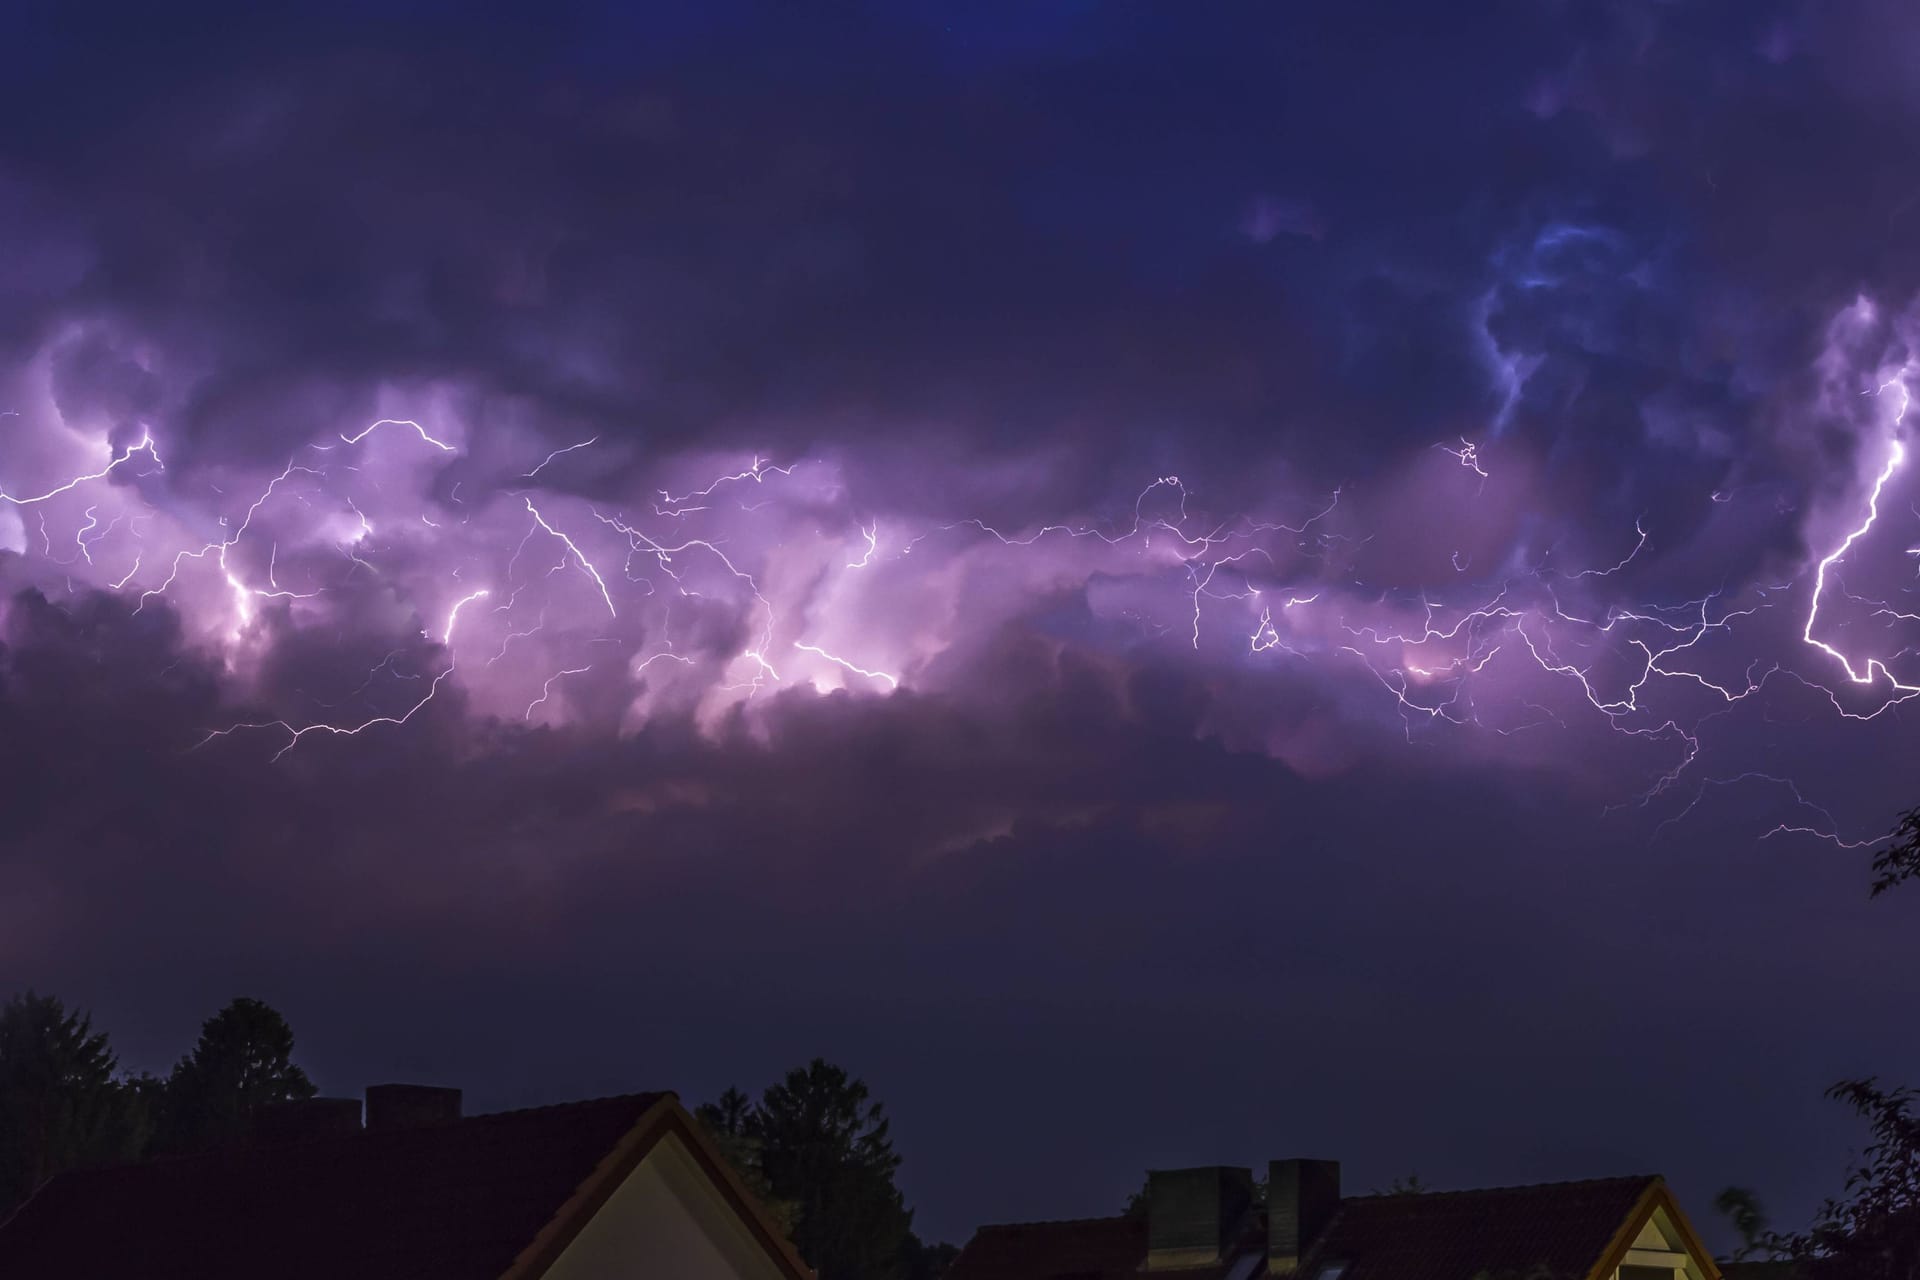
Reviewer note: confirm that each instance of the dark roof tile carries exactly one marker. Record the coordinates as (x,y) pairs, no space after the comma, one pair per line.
(455,1201)
(1086,1249)
(1557,1230)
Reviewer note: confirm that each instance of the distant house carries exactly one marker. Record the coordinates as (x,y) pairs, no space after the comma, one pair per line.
(1205,1224)
(625,1186)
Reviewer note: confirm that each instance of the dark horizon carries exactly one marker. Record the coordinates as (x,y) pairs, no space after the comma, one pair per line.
(1167,589)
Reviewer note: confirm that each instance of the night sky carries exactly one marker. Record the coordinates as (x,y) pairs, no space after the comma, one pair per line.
(1168,584)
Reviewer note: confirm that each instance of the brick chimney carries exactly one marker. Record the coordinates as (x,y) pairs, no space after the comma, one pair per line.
(281,1123)
(1302,1197)
(1194,1216)
(410,1106)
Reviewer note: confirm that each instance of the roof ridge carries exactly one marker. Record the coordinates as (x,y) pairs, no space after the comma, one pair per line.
(245,1149)
(1556,1185)
(649,1095)
(1057,1222)
(1559,1184)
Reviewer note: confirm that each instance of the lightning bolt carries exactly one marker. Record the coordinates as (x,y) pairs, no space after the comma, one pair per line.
(546,689)
(144,445)
(528,475)
(296,735)
(872,536)
(1873,669)
(1468,454)
(579,556)
(757,471)
(366,431)
(893,682)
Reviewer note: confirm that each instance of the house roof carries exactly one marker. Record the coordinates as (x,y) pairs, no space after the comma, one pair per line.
(1562,1229)
(471,1199)
(1567,1229)
(1086,1248)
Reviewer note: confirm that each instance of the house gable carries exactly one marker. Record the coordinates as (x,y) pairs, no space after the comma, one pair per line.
(667,1214)
(1656,1242)
(665,1173)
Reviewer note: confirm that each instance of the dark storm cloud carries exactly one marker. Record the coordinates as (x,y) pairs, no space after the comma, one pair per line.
(1066,859)
(725,241)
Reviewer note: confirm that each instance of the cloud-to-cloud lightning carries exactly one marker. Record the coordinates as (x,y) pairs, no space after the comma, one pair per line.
(1530,488)
(1494,662)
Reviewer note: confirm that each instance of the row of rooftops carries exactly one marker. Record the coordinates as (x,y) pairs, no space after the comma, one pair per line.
(1203,1224)
(420,1190)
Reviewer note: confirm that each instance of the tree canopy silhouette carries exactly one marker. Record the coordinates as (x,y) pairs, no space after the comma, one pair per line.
(824,1146)
(1899,861)
(242,1062)
(728,1121)
(60,1103)
(818,1146)
(1740,1206)
(1872,1231)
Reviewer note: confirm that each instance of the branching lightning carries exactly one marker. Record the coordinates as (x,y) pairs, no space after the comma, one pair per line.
(144,445)
(1526,649)
(295,735)
(1873,669)
(579,557)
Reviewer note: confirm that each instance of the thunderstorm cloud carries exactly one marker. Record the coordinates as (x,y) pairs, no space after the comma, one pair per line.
(1346,532)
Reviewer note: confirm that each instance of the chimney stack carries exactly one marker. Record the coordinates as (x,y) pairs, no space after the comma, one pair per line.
(281,1123)
(1194,1216)
(410,1106)
(1302,1197)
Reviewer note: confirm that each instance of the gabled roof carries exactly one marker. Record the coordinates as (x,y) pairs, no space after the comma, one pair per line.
(1566,1230)
(472,1199)
(1086,1248)
(1561,1229)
